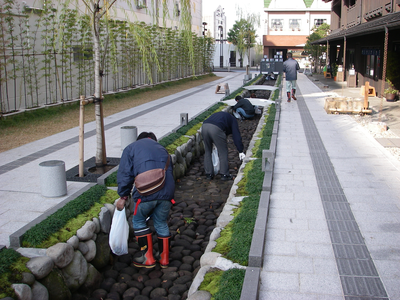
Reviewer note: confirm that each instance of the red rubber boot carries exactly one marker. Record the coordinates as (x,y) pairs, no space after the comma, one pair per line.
(163,248)
(145,258)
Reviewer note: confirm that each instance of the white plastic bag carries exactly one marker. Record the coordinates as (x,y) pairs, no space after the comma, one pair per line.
(119,233)
(215,159)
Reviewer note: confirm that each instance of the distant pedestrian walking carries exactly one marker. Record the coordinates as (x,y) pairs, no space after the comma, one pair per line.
(290,67)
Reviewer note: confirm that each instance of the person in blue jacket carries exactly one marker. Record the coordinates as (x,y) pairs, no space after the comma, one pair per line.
(290,67)
(215,130)
(142,155)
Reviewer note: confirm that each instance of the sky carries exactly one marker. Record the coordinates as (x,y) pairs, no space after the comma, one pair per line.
(230,8)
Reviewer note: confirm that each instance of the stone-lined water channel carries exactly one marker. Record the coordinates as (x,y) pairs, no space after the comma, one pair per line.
(192,219)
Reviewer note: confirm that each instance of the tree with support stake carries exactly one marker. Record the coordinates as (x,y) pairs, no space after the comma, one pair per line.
(98,10)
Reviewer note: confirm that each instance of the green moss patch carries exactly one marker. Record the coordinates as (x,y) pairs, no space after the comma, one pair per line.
(12,265)
(224,285)
(70,228)
(42,231)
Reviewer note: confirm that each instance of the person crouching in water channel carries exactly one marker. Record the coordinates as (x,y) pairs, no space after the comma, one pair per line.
(142,155)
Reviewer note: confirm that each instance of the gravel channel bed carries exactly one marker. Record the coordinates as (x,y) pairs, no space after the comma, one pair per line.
(192,219)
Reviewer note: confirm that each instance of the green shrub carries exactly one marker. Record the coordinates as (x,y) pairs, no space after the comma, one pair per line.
(40,232)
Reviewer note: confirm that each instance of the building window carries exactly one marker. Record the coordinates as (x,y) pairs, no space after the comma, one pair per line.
(372,63)
(294,24)
(277,24)
(319,22)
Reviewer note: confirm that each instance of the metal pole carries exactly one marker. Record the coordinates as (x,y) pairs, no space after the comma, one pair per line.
(384,69)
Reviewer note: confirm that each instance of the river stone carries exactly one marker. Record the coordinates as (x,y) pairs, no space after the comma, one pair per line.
(189,157)
(86,232)
(173,159)
(22,291)
(28,278)
(75,273)
(111,208)
(39,291)
(131,292)
(99,294)
(183,279)
(107,284)
(96,222)
(91,254)
(40,266)
(155,282)
(83,248)
(188,260)
(74,242)
(105,219)
(119,287)
(61,253)
(178,289)
(158,292)
(56,287)
(200,295)
(178,154)
(170,276)
(103,251)
(93,280)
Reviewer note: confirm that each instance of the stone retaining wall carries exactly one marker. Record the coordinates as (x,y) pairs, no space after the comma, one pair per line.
(66,267)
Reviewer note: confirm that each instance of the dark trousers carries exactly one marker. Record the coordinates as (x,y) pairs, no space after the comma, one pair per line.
(212,134)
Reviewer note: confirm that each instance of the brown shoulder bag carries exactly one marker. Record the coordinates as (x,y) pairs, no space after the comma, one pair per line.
(151,181)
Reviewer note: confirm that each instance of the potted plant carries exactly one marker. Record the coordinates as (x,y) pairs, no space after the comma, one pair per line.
(334,70)
(390,92)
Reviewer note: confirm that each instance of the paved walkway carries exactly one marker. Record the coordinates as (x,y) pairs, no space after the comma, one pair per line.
(334,222)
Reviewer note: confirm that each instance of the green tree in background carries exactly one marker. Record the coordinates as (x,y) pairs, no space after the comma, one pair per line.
(316,50)
(243,35)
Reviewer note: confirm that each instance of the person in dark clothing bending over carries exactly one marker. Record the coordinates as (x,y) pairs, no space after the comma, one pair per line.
(215,131)
(290,67)
(244,108)
(140,156)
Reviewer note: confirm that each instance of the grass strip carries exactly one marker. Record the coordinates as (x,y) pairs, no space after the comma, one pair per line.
(224,285)
(42,231)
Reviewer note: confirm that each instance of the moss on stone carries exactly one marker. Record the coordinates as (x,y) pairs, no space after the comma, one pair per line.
(211,282)
(74,224)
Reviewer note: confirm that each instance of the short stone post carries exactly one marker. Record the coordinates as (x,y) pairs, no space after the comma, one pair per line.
(128,135)
(53,179)
(184,119)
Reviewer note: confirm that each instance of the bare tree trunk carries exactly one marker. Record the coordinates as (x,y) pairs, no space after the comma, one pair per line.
(100,138)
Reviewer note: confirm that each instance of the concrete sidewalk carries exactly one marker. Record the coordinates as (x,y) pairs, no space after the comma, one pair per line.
(333,229)
(21,200)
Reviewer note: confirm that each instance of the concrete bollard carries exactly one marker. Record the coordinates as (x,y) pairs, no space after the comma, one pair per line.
(184,119)
(128,135)
(53,179)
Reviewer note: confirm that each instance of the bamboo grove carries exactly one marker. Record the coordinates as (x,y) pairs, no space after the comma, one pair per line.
(46,56)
